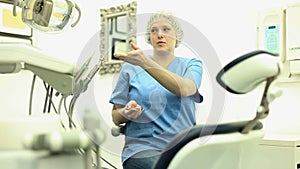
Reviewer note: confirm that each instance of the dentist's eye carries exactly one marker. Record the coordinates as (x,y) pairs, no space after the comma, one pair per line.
(166,29)
(154,30)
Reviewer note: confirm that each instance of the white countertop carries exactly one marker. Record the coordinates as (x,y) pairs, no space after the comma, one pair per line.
(288,140)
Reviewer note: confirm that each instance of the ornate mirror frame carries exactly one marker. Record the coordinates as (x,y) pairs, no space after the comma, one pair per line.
(114,39)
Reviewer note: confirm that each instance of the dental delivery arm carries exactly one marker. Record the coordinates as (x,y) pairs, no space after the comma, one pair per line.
(17,56)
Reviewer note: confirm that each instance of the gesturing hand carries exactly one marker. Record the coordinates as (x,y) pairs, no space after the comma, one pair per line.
(135,57)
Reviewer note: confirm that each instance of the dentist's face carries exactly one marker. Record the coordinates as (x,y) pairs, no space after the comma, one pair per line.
(163,35)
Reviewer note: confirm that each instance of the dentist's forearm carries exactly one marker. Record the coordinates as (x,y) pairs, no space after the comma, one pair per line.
(178,85)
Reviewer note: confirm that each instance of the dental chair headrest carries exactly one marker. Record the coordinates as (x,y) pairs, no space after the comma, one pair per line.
(245,73)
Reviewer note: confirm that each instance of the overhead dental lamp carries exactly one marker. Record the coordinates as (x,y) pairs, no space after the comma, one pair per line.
(47,15)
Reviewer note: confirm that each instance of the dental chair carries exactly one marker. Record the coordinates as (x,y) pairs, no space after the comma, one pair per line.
(228,145)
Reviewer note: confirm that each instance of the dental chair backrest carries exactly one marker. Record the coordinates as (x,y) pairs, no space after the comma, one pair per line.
(211,147)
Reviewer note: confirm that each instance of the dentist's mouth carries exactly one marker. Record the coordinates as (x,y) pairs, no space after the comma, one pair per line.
(161,43)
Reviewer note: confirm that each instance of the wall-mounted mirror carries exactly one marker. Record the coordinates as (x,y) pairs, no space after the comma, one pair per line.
(118,29)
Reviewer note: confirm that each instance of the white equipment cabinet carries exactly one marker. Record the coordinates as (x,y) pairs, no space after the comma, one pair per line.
(278,152)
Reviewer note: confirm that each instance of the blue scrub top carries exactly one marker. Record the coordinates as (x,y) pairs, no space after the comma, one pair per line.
(165,114)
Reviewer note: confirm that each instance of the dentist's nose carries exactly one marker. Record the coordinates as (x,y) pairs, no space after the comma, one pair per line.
(160,34)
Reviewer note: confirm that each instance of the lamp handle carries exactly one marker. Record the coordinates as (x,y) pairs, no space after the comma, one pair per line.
(79,15)
(19,3)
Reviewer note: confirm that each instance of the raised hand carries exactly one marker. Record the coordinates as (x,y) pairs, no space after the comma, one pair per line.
(135,57)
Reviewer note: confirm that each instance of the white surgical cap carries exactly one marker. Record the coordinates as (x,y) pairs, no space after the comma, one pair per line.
(173,21)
